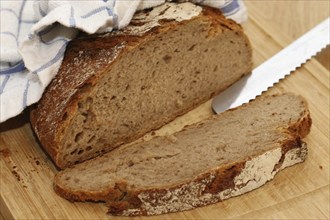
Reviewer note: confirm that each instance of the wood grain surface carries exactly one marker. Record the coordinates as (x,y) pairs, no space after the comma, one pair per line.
(299,192)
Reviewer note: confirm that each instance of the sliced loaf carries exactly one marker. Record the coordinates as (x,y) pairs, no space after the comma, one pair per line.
(224,156)
(114,88)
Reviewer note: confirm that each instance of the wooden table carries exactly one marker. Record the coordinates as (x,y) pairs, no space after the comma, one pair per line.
(298,192)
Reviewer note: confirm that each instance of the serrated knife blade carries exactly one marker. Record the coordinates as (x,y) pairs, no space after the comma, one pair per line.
(274,69)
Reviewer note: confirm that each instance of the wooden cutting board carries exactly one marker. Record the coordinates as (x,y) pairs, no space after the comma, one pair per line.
(301,191)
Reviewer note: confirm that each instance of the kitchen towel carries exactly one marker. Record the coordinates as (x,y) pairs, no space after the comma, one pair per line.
(34,36)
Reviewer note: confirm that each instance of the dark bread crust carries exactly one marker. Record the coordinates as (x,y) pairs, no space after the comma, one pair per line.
(216,184)
(97,54)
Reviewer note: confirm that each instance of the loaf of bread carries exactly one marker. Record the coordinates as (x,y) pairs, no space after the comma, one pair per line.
(112,89)
(221,157)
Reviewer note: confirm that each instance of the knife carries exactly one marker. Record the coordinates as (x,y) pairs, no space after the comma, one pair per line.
(274,69)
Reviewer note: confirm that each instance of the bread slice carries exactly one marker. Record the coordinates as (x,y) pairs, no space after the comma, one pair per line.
(221,157)
(114,88)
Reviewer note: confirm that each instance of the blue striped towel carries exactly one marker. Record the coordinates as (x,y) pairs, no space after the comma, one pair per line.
(34,36)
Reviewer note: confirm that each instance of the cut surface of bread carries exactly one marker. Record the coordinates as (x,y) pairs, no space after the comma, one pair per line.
(114,88)
(224,156)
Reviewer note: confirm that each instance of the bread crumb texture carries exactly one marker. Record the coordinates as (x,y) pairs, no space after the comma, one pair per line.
(215,159)
(112,89)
